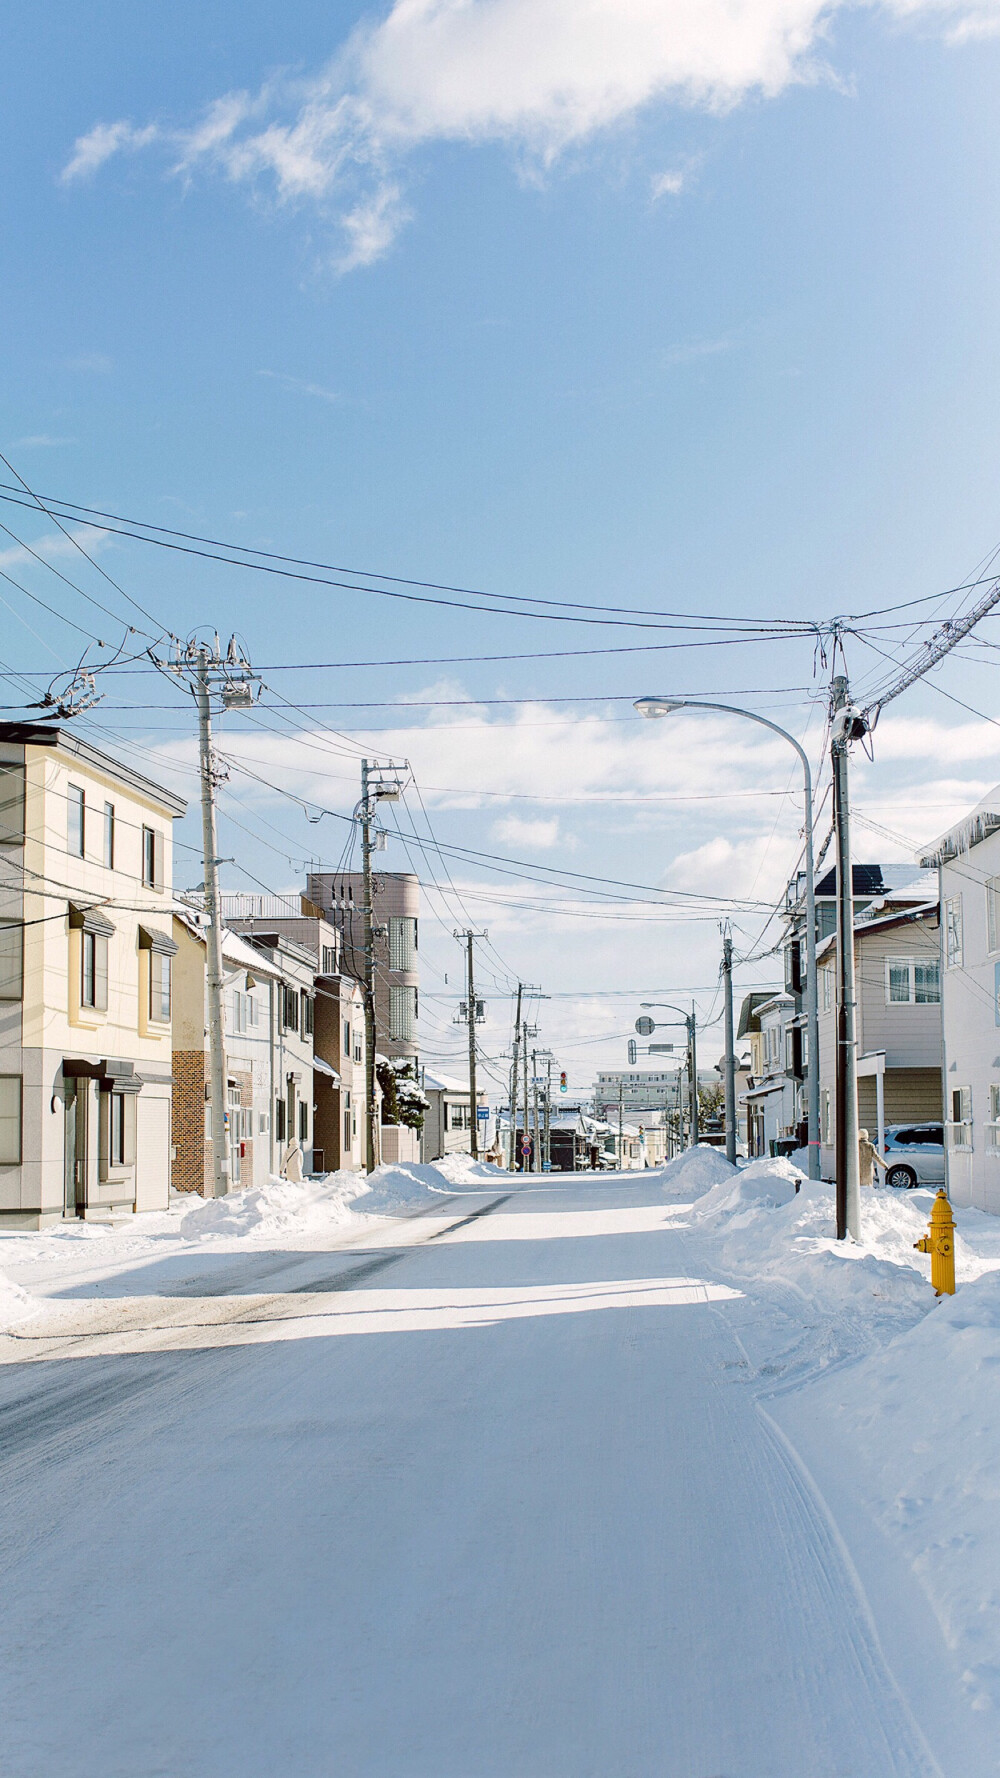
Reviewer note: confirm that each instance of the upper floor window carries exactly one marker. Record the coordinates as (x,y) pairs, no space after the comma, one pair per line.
(289,1007)
(953,940)
(329,960)
(109,836)
(402,942)
(347,1040)
(76,802)
(94,971)
(402,1014)
(11,805)
(152,858)
(11,960)
(10,1120)
(912,981)
(826,987)
(159,987)
(307,1014)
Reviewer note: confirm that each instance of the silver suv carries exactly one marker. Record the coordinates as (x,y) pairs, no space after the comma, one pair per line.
(915,1153)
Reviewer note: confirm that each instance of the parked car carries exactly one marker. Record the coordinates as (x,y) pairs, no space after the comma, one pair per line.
(915,1154)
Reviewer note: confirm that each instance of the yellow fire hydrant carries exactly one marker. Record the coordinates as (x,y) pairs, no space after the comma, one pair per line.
(939,1242)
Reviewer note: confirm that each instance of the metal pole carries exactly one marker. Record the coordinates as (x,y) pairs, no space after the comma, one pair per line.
(730,1061)
(473,1099)
(548,1117)
(524,1068)
(371,1125)
(621,1123)
(694,1079)
(213,937)
(512,1161)
(848,1160)
(535,1150)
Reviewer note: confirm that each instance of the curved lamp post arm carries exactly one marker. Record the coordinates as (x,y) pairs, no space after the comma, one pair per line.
(665,706)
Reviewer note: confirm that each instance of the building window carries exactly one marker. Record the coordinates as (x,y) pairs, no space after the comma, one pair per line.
(10,1120)
(303,1122)
(76,821)
(279,1119)
(953,945)
(959,1130)
(109,836)
(825,1120)
(94,971)
(826,987)
(347,1120)
(117,1132)
(329,960)
(11,805)
(307,1014)
(159,987)
(11,960)
(244,1011)
(402,1014)
(912,981)
(402,943)
(289,1007)
(152,858)
(347,1040)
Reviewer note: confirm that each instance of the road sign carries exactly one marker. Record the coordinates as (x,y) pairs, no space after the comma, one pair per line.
(483,1113)
(632,1052)
(661,1049)
(645,1026)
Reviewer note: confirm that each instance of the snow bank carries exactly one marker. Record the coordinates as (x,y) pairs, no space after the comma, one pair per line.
(694,1171)
(410,1187)
(763,1184)
(282,1206)
(919,1421)
(15,1304)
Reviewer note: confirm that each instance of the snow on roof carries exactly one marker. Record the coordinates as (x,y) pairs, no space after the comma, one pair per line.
(443,1083)
(235,951)
(975,827)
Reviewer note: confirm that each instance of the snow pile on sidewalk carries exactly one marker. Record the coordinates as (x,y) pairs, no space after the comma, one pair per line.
(762,1185)
(693,1172)
(420,1184)
(16,1304)
(282,1206)
(919,1422)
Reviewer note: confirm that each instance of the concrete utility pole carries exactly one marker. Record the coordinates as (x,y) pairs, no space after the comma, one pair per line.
(848,1159)
(526,1031)
(213,937)
(512,1163)
(377,786)
(471,1015)
(730,1057)
(368,985)
(621,1123)
(536,1155)
(230,681)
(548,1116)
(693,1047)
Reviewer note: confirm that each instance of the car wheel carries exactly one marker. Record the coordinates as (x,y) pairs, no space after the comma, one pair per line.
(904,1176)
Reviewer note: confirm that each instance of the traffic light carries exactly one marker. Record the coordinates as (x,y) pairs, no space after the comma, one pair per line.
(562,1081)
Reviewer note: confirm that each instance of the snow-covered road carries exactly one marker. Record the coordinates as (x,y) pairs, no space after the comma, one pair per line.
(482,1493)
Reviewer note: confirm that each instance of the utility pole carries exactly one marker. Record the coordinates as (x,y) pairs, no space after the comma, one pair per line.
(230,682)
(213,937)
(526,1031)
(368,984)
(471,1012)
(548,1116)
(693,1046)
(621,1122)
(375,788)
(730,1057)
(513,1081)
(848,1159)
(536,1156)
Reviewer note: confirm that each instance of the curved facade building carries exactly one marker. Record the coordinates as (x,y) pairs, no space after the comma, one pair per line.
(396,900)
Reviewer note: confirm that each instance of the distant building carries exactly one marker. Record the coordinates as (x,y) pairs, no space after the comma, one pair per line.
(769,1100)
(338,896)
(641,1089)
(448,1118)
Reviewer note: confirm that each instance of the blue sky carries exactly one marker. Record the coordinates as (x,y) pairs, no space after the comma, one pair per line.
(703,323)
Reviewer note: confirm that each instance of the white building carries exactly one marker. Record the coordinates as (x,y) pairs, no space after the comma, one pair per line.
(968,865)
(448,1118)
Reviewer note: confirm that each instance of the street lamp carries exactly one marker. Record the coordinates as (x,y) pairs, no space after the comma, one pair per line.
(654,707)
(646,1027)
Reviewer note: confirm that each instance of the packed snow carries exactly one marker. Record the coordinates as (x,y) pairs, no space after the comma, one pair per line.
(888,1400)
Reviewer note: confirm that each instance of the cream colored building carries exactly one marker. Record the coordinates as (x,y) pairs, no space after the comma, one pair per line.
(85,980)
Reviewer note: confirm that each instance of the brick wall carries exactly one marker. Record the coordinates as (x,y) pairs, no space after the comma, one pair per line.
(189,1164)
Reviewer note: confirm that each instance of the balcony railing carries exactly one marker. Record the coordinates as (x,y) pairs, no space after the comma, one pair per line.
(992,1138)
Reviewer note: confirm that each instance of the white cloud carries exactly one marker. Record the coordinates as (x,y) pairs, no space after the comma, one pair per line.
(96,362)
(102,142)
(55,546)
(669,184)
(539,75)
(38,441)
(536,836)
(299,387)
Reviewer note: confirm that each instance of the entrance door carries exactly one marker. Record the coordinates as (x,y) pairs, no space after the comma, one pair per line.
(74,1150)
